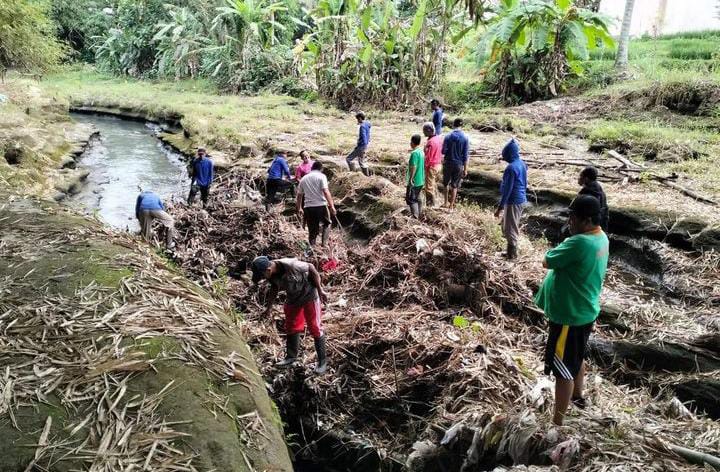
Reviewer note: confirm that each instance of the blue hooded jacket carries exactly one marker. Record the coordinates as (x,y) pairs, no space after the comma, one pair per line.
(203,172)
(364,135)
(514,181)
(148,201)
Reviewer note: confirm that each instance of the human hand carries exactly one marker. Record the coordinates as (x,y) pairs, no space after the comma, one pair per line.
(323,295)
(333,211)
(498,212)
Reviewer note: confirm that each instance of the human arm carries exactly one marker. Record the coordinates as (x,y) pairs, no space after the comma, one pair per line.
(299,203)
(317,282)
(212,172)
(411,174)
(563,255)
(506,188)
(286,169)
(137,206)
(465,156)
(270,299)
(331,204)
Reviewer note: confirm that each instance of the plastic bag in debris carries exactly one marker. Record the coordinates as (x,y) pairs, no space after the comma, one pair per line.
(564,453)
(537,394)
(3,98)
(421,245)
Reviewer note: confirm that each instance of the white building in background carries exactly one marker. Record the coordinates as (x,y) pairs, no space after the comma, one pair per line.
(656,17)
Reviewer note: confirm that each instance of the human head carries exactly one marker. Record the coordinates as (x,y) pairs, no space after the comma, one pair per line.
(317,165)
(434,103)
(304,155)
(282,153)
(201,152)
(262,268)
(587,175)
(415,140)
(457,123)
(428,129)
(360,116)
(584,214)
(511,151)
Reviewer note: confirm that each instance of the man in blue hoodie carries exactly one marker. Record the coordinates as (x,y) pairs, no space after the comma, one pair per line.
(148,208)
(437,116)
(279,178)
(512,196)
(201,176)
(362,144)
(456,150)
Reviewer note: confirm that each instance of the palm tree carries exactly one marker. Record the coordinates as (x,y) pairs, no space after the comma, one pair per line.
(621,60)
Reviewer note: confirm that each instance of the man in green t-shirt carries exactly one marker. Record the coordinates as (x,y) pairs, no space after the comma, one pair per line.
(570,298)
(415,176)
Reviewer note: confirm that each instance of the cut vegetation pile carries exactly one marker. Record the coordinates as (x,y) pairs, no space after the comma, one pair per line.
(434,348)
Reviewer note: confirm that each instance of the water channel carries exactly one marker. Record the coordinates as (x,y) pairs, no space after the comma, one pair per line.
(125,157)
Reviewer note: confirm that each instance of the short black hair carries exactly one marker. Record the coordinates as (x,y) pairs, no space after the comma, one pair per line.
(434,101)
(415,140)
(589,173)
(457,123)
(586,206)
(360,115)
(317,165)
(304,151)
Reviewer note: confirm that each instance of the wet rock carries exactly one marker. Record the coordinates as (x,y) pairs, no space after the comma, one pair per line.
(668,357)
(15,155)
(701,395)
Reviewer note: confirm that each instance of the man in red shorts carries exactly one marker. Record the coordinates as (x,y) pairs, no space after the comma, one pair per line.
(303,288)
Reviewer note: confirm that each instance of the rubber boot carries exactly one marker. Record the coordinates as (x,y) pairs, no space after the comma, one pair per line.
(511,252)
(325,235)
(415,210)
(293,345)
(365,171)
(321,367)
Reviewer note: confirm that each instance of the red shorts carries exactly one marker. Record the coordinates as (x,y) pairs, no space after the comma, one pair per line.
(297,315)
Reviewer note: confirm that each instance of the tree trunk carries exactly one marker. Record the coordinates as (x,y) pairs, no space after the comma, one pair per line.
(621,60)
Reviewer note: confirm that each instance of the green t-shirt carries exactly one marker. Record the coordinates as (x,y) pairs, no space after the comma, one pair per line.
(417,159)
(570,293)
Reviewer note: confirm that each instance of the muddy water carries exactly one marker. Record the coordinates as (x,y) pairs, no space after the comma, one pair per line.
(126,155)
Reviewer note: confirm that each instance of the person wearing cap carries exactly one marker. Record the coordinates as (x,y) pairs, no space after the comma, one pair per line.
(279,178)
(201,176)
(570,298)
(362,144)
(512,196)
(433,163)
(304,293)
(305,165)
(148,208)
(315,205)
(456,152)
(590,186)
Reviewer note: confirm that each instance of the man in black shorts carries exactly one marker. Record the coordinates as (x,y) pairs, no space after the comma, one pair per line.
(315,205)
(455,151)
(570,298)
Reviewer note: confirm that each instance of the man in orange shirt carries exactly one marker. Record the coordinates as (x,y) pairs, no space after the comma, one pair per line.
(433,163)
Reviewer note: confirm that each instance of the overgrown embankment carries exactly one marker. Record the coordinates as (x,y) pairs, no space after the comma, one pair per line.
(111,359)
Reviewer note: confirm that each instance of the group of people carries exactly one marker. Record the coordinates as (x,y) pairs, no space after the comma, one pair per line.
(569,294)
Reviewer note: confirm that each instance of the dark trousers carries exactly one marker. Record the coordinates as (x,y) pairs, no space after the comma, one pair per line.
(317,217)
(204,193)
(274,186)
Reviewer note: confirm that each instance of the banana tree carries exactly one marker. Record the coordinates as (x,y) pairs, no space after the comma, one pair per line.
(535,45)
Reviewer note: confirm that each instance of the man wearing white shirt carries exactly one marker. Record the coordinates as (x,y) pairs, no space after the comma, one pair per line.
(315,204)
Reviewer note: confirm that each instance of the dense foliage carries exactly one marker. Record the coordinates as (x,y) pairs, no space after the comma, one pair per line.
(80,22)
(536,45)
(27,37)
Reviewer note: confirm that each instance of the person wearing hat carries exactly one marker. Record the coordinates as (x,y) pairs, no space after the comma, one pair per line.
(304,293)
(201,176)
(570,298)
(590,186)
(512,196)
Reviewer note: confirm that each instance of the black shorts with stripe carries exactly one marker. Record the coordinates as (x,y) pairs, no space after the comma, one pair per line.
(566,349)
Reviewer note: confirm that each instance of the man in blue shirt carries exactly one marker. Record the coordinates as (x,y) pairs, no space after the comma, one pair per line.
(437,116)
(201,176)
(148,208)
(362,145)
(279,178)
(456,149)
(512,196)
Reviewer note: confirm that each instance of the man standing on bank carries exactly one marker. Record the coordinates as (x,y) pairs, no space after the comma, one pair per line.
(570,298)
(304,292)
(415,179)
(201,176)
(590,186)
(437,116)
(279,178)
(363,142)
(148,208)
(315,204)
(433,163)
(456,150)
(512,196)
